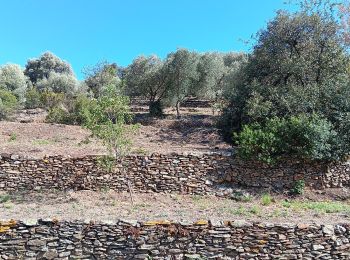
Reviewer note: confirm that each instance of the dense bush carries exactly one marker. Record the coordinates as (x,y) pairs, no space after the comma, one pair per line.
(51,99)
(70,111)
(305,137)
(8,103)
(13,79)
(58,115)
(33,98)
(58,83)
(299,66)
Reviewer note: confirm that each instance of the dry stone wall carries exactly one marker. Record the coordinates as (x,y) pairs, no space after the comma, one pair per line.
(52,239)
(175,173)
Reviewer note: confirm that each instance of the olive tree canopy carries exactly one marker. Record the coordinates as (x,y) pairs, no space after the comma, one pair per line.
(40,68)
(13,79)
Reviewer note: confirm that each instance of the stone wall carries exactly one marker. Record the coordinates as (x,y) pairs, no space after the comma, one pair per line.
(52,239)
(188,174)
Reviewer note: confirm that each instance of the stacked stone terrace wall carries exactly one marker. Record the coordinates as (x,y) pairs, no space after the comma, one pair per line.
(188,174)
(52,239)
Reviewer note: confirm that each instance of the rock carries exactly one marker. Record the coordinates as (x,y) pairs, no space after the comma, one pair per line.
(36,242)
(50,254)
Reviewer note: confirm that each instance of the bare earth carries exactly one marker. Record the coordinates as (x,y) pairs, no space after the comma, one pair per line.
(194,132)
(109,205)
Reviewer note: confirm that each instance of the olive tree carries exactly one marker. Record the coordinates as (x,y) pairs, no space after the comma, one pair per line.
(211,71)
(147,76)
(59,83)
(13,79)
(298,66)
(100,76)
(40,68)
(182,74)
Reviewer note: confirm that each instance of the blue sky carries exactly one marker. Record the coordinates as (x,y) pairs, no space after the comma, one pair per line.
(84,32)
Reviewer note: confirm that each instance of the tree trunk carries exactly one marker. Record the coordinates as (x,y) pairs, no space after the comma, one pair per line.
(178,109)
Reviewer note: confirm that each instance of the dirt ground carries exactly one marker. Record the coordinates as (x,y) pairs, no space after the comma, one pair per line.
(109,205)
(29,136)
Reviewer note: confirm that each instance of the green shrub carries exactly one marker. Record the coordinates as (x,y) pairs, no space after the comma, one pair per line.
(51,99)
(266,199)
(303,137)
(33,98)
(299,187)
(8,103)
(58,115)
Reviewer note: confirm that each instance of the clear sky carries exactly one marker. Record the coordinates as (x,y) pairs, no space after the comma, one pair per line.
(84,32)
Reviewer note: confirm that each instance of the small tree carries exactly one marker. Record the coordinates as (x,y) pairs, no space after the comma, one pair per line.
(106,118)
(182,68)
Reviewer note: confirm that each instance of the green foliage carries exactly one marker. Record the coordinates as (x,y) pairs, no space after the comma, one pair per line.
(58,115)
(8,103)
(106,162)
(33,98)
(100,77)
(305,137)
(51,99)
(266,199)
(300,65)
(242,196)
(13,79)
(182,73)
(40,68)
(147,77)
(58,83)
(156,108)
(106,118)
(299,187)
(13,137)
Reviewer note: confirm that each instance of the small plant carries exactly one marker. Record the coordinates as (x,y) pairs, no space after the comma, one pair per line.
(4,198)
(255,210)
(299,187)
(106,162)
(13,137)
(242,197)
(266,199)
(141,151)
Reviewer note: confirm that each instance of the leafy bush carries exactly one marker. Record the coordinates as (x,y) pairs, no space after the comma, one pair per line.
(13,79)
(58,115)
(51,99)
(33,98)
(8,103)
(299,187)
(311,138)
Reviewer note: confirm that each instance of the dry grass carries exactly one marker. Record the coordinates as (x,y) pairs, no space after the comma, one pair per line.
(110,205)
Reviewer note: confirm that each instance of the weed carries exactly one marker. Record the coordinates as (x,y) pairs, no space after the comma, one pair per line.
(266,199)
(319,207)
(4,198)
(8,205)
(42,142)
(255,210)
(141,151)
(242,197)
(13,137)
